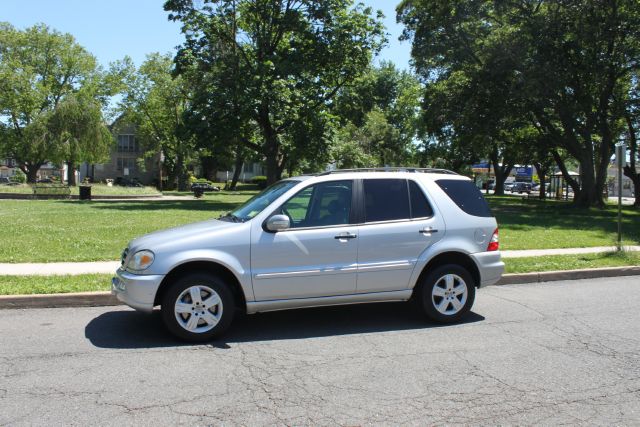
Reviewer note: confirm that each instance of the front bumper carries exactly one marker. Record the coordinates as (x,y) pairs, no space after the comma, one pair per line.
(490,267)
(135,290)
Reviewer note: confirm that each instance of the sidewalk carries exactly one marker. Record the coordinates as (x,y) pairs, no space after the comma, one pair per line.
(109,267)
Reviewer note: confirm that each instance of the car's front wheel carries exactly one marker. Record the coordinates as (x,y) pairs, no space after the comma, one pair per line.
(198,307)
(447,293)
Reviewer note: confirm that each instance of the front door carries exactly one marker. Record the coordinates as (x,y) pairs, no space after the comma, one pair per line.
(317,255)
(399,225)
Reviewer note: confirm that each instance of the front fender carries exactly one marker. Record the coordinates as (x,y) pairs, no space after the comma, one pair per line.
(224,259)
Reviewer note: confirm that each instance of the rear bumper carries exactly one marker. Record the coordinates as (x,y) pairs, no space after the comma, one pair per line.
(137,291)
(490,266)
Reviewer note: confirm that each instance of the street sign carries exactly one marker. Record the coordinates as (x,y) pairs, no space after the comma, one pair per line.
(621,154)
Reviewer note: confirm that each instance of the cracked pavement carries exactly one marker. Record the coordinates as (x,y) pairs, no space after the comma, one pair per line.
(552,353)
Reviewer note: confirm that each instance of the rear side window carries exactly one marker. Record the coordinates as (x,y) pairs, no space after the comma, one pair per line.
(420,207)
(386,200)
(466,195)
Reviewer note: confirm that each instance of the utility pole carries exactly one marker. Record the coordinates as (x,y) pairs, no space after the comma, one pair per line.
(621,161)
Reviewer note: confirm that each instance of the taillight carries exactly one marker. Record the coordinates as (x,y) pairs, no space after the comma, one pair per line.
(494,243)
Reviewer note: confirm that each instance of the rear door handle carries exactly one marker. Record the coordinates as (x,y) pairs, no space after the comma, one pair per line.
(428,230)
(345,236)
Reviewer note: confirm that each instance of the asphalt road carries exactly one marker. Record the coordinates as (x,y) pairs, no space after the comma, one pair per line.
(562,352)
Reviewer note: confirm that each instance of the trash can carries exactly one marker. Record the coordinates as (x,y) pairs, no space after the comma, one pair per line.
(85,192)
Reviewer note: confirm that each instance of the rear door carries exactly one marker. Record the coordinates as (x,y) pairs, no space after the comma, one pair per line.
(399,224)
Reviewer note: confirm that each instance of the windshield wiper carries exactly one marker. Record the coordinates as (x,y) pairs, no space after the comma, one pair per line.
(232,217)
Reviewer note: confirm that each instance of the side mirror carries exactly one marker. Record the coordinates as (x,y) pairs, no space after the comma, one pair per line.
(277,223)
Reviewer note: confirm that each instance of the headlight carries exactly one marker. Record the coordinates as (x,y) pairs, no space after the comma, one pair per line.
(141,260)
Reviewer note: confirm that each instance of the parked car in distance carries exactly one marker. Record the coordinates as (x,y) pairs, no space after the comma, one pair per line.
(340,237)
(45,181)
(4,180)
(204,186)
(126,182)
(508,186)
(521,187)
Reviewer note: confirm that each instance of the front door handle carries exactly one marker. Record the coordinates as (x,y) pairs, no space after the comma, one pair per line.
(428,230)
(345,236)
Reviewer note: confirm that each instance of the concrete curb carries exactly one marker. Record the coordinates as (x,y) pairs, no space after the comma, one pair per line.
(554,276)
(77,299)
(98,299)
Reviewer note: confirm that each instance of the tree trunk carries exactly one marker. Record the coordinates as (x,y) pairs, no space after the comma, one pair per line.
(501,173)
(630,170)
(237,168)
(71,174)
(542,175)
(180,172)
(271,145)
(32,174)
(590,193)
(209,167)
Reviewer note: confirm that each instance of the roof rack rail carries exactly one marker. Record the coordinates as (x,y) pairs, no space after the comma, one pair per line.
(390,169)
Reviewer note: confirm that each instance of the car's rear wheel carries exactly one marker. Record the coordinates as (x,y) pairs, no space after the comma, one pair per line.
(447,293)
(198,307)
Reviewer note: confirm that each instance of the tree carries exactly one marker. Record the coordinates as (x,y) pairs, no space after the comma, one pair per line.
(155,101)
(378,118)
(562,67)
(632,121)
(80,134)
(42,70)
(288,57)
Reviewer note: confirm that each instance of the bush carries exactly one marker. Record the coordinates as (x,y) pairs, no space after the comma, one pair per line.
(260,181)
(19,177)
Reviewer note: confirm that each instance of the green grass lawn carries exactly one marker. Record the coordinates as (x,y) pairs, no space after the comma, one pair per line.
(25,285)
(50,230)
(96,190)
(531,224)
(571,262)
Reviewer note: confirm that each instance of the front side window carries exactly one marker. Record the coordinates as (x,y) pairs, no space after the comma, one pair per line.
(386,200)
(320,205)
(259,202)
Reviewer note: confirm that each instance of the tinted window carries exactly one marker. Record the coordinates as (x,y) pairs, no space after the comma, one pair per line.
(466,196)
(420,207)
(327,203)
(257,203)
(386,200)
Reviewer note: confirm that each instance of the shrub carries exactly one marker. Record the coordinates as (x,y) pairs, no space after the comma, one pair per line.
(19,176)
(260,181)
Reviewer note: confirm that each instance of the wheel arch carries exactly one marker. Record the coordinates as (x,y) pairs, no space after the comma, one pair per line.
(451,257)
(209,267)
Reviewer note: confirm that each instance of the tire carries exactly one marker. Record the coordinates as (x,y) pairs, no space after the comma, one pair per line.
(440,290)
(198,321)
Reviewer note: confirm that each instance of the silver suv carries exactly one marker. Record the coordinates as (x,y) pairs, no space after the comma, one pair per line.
(340,237)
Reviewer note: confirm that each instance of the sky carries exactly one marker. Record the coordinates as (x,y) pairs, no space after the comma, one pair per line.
(111,29)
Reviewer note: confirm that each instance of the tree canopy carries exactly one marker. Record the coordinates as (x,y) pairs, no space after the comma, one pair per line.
(50,99)
(495,69)
(285,61)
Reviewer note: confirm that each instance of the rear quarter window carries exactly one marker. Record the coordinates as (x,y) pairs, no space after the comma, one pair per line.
(466,195)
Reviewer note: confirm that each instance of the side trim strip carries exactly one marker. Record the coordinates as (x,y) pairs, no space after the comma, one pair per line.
(261,306)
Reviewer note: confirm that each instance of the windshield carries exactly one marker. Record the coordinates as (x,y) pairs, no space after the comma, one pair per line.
(259,202)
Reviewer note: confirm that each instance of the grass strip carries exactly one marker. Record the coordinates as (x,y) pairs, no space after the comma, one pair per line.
(26,285)
(571,262)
